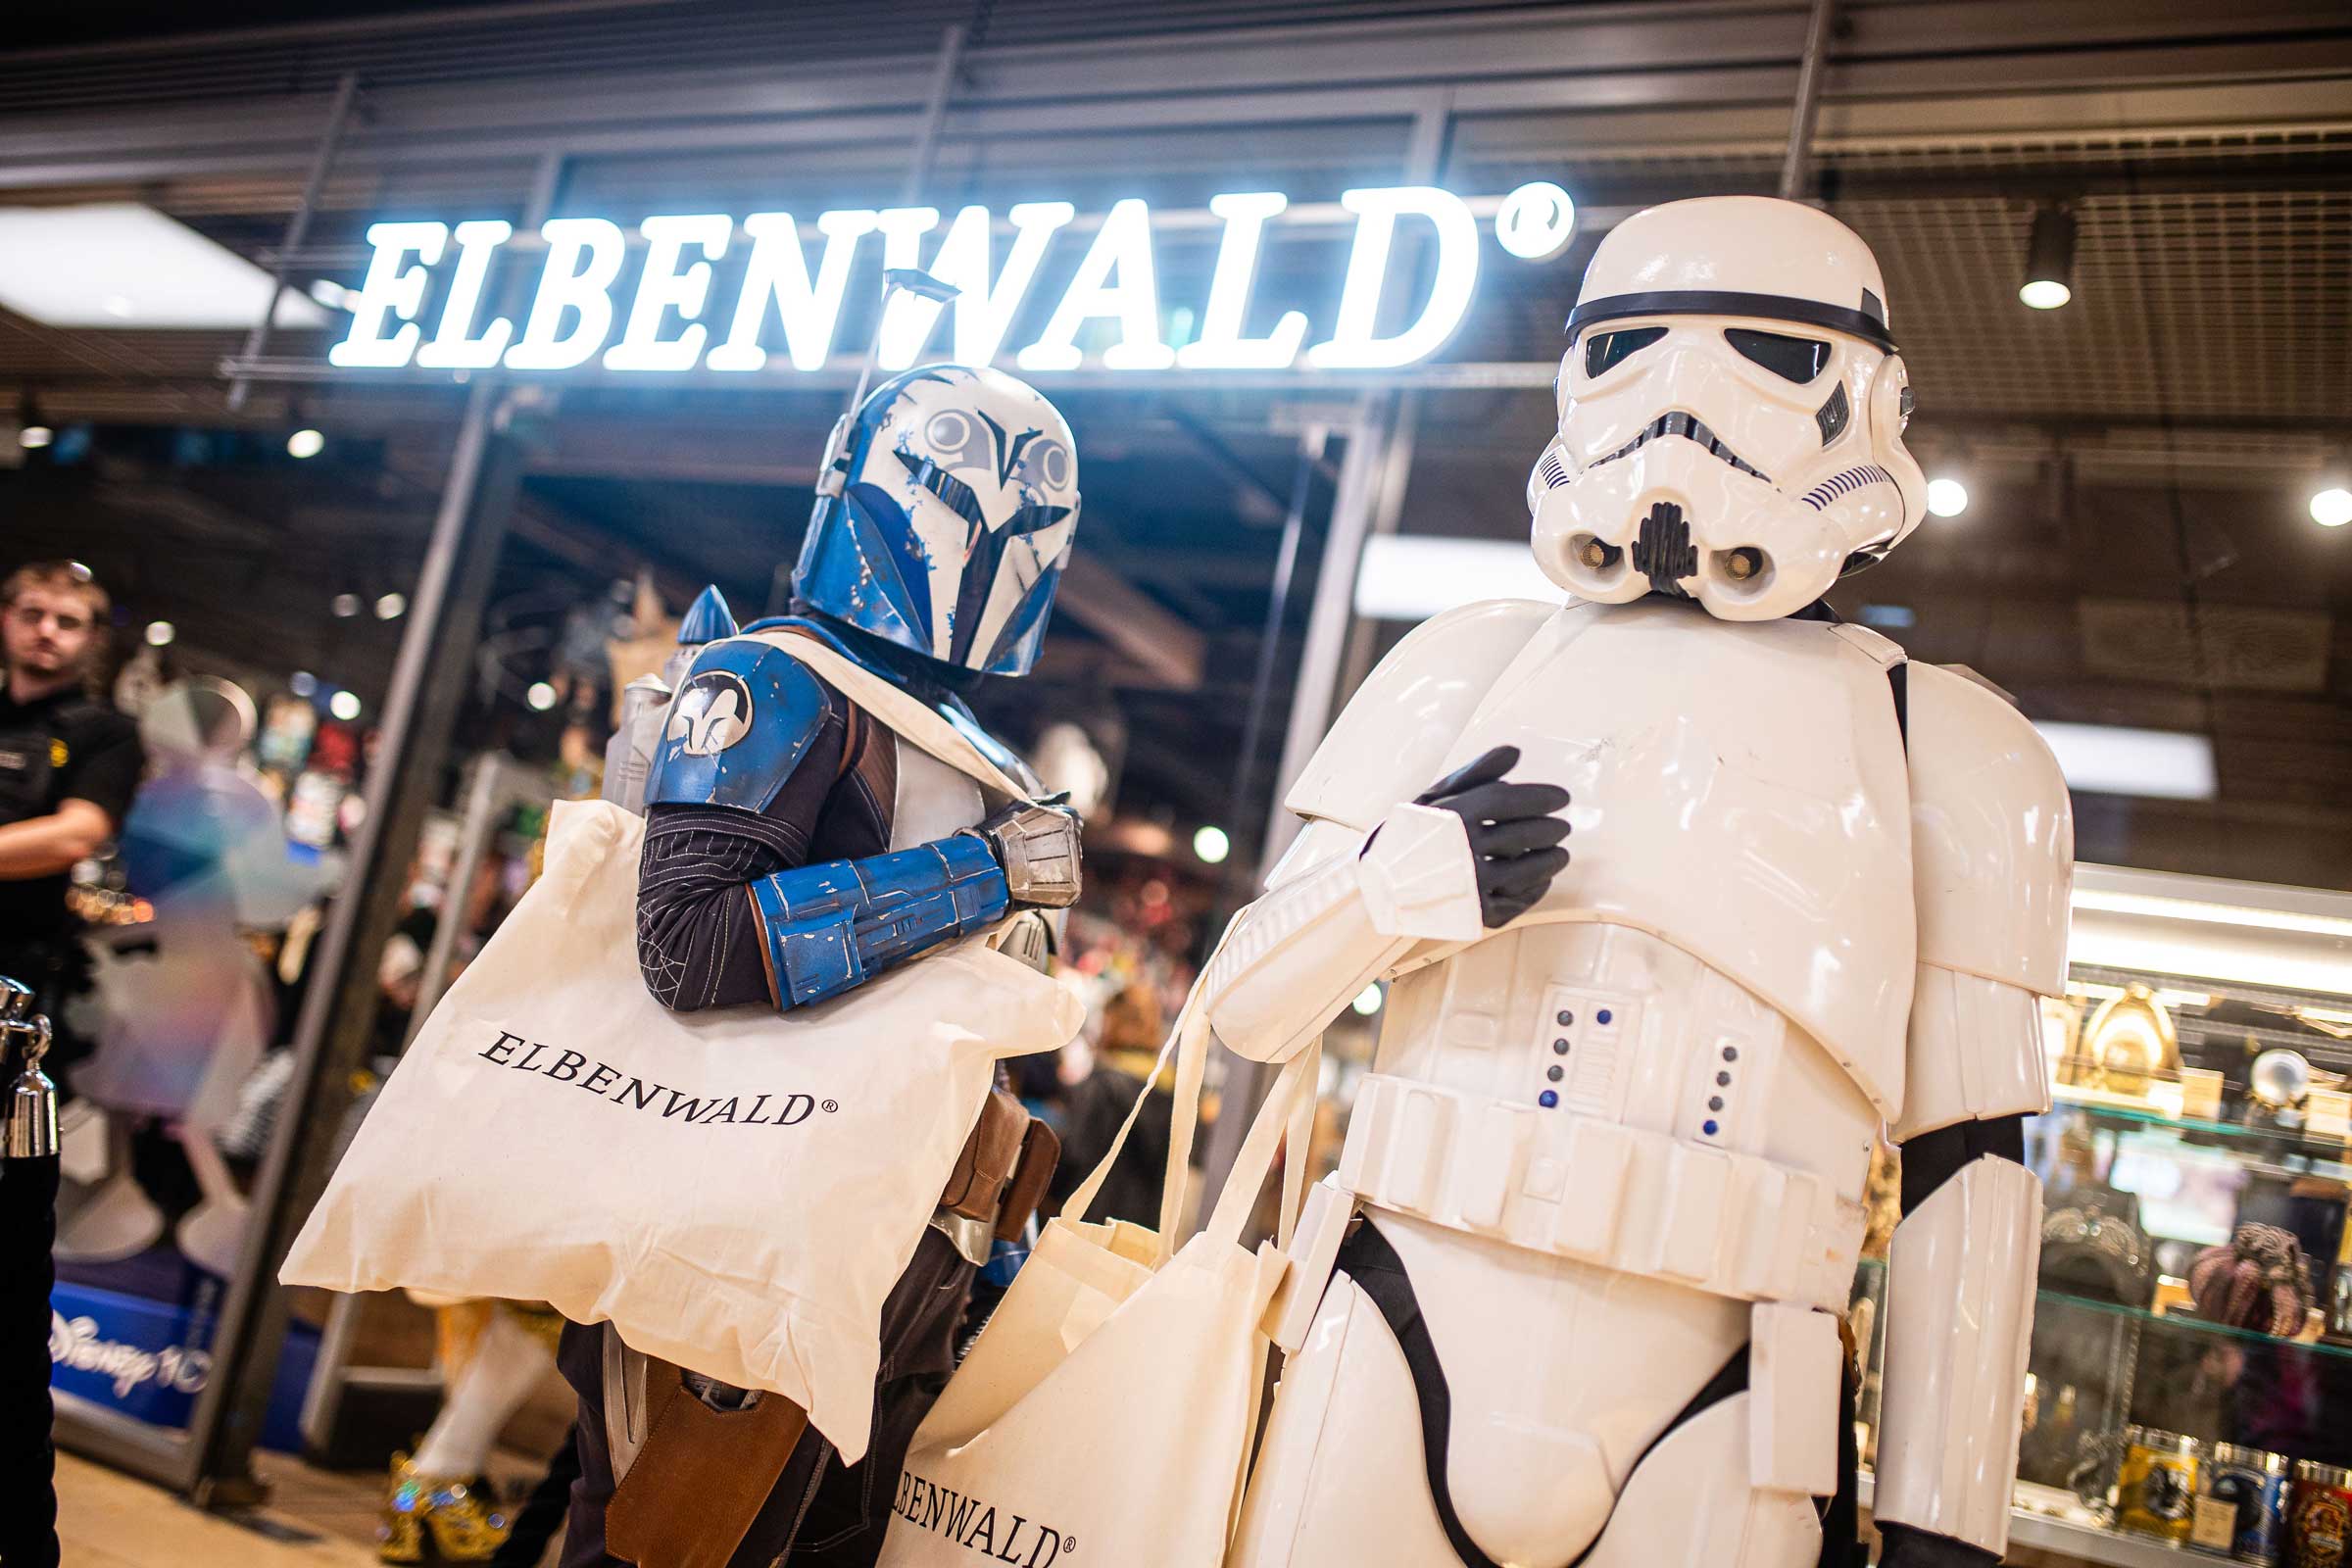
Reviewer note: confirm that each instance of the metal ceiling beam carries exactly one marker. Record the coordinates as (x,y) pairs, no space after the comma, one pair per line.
(1130,621)
(1698,59)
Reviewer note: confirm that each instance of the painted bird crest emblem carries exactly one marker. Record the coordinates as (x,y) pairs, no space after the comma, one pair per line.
(712,713)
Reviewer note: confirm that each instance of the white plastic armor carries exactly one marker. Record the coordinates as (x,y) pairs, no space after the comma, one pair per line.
(1615,1143)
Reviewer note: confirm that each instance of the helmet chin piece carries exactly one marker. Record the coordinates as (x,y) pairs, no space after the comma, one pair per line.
(1674,519)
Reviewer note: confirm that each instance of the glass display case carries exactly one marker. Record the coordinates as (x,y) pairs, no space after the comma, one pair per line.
(2189,1384)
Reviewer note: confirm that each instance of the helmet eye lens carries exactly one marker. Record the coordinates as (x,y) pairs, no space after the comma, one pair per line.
(1791,359)
(1604,351)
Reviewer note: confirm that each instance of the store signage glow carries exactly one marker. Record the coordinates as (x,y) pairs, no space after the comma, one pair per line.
(795,275)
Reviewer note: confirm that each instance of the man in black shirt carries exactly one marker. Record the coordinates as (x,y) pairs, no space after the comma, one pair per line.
(69,766)
(68,762)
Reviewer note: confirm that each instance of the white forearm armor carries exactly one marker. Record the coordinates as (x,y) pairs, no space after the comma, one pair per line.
(1347,914)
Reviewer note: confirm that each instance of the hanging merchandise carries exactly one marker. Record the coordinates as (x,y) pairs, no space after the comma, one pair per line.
(1108,1406)
(650,1199)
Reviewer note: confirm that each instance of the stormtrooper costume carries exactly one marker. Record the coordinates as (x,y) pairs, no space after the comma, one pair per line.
(796,847)
(1572,1296)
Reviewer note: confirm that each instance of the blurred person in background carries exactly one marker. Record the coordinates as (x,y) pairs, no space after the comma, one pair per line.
(69,767)
(1132,1029)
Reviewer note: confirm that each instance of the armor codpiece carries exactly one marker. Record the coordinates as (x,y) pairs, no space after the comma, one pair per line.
(828,927)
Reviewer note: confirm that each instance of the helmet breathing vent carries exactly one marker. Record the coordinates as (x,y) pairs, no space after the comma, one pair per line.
(1663,552)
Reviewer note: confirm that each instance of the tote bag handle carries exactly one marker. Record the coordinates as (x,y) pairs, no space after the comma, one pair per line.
(1188,1044)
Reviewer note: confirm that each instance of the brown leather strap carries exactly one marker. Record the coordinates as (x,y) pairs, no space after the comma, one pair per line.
(1041,1152)
(702,1477)
(975,1187)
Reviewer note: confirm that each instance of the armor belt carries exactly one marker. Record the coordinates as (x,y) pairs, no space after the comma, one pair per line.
(1619,1197)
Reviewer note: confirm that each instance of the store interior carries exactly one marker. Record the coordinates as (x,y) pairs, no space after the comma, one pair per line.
(374,623)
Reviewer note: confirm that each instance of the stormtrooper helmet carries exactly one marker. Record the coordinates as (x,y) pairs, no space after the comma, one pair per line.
(1732,414)
(944,517)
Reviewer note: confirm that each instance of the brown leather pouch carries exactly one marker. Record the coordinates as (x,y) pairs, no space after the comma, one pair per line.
(977,1183)
(1041,1152)
(702,1477)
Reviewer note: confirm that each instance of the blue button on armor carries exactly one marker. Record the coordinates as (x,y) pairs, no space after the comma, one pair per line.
(1549,1099)
(1708,1127)
(1602,1016)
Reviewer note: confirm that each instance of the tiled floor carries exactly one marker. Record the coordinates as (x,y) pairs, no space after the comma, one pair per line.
(107,1520)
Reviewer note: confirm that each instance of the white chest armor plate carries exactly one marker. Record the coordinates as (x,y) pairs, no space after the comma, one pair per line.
(933,801)
(1739,791)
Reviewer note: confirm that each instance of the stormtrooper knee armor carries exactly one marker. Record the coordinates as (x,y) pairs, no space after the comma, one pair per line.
(1572,1296)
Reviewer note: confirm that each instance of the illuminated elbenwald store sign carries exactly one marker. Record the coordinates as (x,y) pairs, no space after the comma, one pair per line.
(794,273)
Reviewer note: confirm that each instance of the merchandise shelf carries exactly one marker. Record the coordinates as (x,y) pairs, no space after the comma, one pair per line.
(2194,1325)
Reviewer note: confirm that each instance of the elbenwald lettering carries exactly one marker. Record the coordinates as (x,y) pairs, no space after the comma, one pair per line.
(975,1524)
(632,1093)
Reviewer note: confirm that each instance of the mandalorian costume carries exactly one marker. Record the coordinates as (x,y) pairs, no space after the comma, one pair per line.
(794,846)
(1610,1158)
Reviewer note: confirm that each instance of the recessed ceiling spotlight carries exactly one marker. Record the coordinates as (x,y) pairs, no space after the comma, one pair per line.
(1946,497)
(306,444)
(2332,508)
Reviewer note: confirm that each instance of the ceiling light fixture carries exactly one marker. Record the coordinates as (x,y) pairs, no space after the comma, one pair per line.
(306,444)
(2114,760)
(1413,576)
(2332,508)
(159,633)
(1948,497)
(110,265)
(33,437)
(390,607)
(2049,260)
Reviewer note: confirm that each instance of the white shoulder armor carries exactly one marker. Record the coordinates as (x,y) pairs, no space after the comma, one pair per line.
(1390,741)
(1992,836)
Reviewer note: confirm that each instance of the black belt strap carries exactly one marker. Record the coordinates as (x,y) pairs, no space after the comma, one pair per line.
(1367,1258)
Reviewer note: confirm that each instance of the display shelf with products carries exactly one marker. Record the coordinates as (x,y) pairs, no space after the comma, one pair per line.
(2326,1147)
(2187,1323)
(2193,1310)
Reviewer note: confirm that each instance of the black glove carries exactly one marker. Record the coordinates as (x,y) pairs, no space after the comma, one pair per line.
(1907,1547)
(1514,832)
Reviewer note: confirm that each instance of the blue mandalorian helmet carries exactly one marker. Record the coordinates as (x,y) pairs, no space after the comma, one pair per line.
(944,517)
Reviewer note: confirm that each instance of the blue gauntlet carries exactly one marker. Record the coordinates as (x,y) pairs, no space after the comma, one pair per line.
(828,928)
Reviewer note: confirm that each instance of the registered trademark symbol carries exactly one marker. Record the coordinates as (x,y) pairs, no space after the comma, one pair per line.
(1070,1544)
(829,1106)
(1536,222)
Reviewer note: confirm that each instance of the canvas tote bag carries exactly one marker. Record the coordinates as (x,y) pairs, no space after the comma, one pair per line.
(1105,1412)
(736,1190)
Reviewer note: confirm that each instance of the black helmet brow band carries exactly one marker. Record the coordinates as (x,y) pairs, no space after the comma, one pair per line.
(1715,301)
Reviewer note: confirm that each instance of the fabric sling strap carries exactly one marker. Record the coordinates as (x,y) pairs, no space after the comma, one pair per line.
(900,710)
